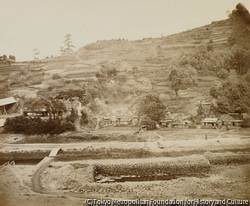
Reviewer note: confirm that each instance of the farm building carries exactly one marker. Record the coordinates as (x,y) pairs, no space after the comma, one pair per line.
(178,122)
(124,121)
(168,121)
(6,104)
(210,121)
(113,120)
(106,120)
(135,120)
(147,123)
(233,119)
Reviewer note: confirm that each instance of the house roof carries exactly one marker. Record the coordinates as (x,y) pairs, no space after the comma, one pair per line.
(113,118)
(125,119)
(210,120)
(167,120)
(2,122)
(7,101)
(168,116)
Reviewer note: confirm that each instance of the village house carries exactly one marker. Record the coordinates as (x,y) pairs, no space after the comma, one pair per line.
(210,122)
(124,121)
(106,120)
(232,119)
(6,104)
(135,120)
(178,122)
(113,120)
(167,121)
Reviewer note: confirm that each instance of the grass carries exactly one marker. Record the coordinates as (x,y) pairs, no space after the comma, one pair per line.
(102,153)
(115,153)
(81,137)
(23,155)
(192,134)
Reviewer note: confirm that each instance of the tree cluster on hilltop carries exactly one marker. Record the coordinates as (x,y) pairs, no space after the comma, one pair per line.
(7,60)
(240,19)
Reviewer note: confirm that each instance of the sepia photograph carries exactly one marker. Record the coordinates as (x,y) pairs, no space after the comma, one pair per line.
(124,102)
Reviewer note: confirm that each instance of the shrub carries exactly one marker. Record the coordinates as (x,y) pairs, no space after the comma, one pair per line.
(179,166)
(26,125)
(213,92)
(56,76)
(223,73)
(72,117)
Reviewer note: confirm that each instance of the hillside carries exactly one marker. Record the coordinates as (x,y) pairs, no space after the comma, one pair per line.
(153,57)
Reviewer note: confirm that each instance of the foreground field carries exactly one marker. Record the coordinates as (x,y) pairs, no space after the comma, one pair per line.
(65,184)
(223,159)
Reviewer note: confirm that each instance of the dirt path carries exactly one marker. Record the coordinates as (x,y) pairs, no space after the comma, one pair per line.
(36,182)
(167,145)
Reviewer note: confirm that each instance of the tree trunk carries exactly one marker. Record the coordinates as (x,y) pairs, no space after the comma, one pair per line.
(176,92)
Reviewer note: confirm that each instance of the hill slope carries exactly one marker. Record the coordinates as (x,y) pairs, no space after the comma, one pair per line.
(152,56)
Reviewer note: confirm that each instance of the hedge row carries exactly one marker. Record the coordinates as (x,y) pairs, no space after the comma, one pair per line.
(227,158)
(27,125)
(179,166)
(24,155)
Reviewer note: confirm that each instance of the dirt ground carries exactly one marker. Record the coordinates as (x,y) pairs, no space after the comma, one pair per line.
(71,182)
(63,184)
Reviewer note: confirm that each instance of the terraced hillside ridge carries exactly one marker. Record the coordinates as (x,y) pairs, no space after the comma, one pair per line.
(152,57)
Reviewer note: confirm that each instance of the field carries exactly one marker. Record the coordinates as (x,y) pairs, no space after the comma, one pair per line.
(213,168)
(121,162)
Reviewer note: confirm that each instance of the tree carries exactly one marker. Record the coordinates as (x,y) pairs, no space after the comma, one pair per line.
(151,106)
(231,96)
(121,79)
(36,53)
(68,44)
(4,58)
(182,78)
(51,106)
(62,50)
(237,60)
(240,19)
(12,57)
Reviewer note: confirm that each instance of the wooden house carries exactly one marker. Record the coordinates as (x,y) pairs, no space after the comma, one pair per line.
(167,122)
(232,119)
(147,123)
(125,121)
(106,120)
(135,120)
(6,104)
(210,121)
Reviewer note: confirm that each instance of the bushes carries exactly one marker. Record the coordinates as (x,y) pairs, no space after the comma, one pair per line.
(142,168)
(25,125)
(223,73)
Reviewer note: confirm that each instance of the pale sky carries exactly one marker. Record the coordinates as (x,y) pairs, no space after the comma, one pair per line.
(43,24)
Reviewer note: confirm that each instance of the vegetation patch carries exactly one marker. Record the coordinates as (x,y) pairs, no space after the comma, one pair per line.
(102,153)
(79,137)
(227,158)
(177,166)
(23,155)
(25,125)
